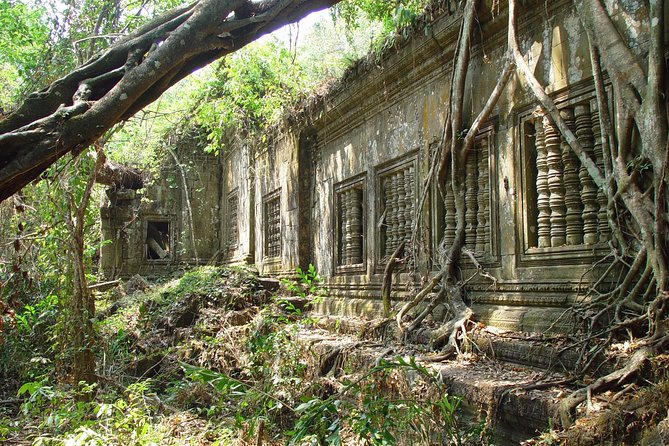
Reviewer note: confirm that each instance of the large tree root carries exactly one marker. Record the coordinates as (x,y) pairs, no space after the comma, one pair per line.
(641,419)
(613,379)
(387,284)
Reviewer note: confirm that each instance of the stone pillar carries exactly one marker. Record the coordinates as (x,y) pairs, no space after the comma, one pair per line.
(483,215)
(543,191)
(450,214)
(602,218)
(572,186)
(588,186)
(555,184)
(471,203)
(410,202)
(355,219)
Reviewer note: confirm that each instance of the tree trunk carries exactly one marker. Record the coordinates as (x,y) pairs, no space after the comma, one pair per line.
(80,338)
(119,176)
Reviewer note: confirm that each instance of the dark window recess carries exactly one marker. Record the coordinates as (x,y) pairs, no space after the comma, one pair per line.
(158,240)
(233,211)
(273,227)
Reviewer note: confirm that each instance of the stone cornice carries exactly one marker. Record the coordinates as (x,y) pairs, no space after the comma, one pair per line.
(421,59)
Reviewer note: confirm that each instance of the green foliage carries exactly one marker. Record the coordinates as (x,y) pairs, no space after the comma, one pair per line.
(23,35)
(306,284)
(209,285)
(244,94)
(233,381)
(392,14)
(40,41)
(222,383)
(68,418)
(377,419)
(39,282)
(27,347)
(318,421)
(250,90)
(329,48)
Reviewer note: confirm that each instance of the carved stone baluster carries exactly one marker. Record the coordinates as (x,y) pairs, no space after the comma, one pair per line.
(387,203)
(401,207)
(471,208)
(482,230)
(555,186)
(355,217)
(602,218)
(273,230)
(398,233)
(572,185)
(486,200)
(543,192)
(391,209)
(411,198)
(233,211)
(343,205)
(450,214)
(588,186)
(277,228)
(350,240)
(395,214)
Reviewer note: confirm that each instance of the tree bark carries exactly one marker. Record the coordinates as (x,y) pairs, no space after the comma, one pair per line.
(119,176)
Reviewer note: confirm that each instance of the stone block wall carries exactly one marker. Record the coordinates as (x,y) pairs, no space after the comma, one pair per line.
(343,186)
(375,141)
(184,222)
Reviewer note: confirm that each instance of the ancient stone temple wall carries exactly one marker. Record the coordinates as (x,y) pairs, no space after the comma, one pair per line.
(347,183)
(533,217)
(165,226)
(237,206)
(279,227)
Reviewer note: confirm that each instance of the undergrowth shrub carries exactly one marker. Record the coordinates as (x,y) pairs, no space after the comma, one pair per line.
(26,345)
(237,372)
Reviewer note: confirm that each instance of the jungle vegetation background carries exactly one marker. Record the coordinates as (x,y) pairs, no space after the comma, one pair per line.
(69,383)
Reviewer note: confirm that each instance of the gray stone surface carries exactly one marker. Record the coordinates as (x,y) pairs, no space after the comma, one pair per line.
(377,131)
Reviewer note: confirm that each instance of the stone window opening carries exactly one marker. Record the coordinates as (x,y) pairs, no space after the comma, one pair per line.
(397,207)
(158,240)
(479,212)
(350,225)
(272,221)
(233,211)
(564,208)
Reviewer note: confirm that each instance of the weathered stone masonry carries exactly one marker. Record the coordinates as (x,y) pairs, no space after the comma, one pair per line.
(341,186)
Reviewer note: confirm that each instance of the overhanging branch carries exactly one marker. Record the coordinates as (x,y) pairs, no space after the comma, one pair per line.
(77,109)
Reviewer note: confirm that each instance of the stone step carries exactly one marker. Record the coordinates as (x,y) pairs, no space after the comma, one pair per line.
(537,351)
(488,387)
(520,318)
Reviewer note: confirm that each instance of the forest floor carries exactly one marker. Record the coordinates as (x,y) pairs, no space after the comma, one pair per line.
(221,357)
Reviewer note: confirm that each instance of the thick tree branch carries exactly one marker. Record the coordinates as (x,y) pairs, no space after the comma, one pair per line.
(77,109)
